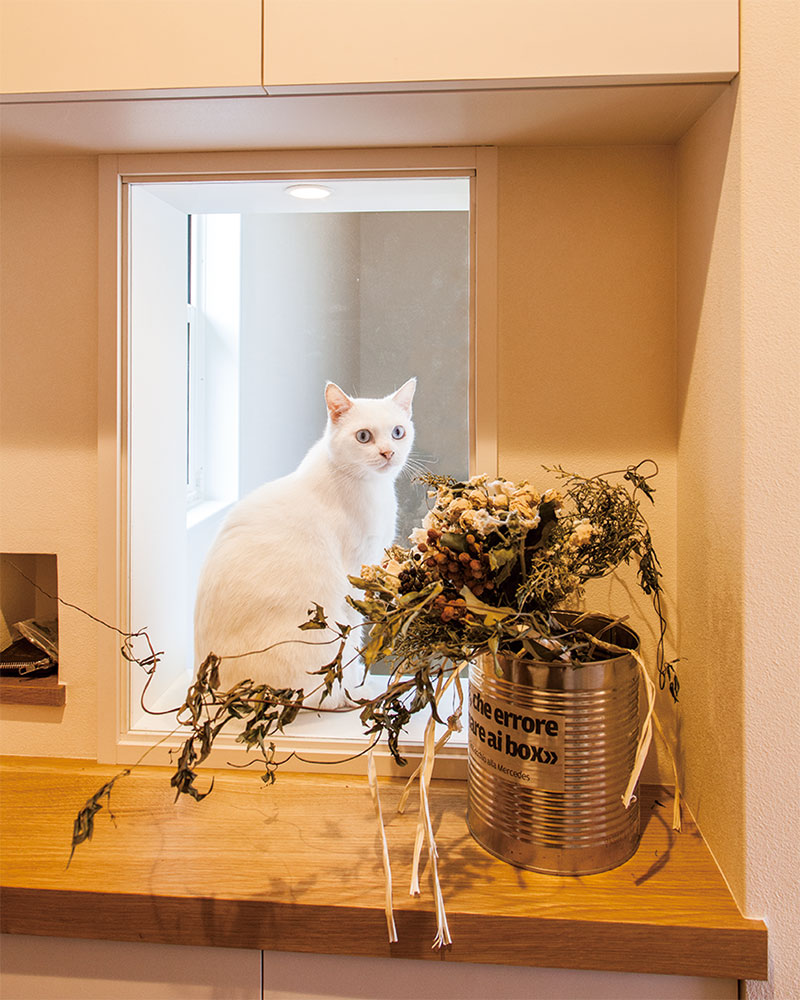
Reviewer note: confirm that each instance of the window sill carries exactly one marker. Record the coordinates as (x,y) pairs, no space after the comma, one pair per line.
(200,512)
(297,867)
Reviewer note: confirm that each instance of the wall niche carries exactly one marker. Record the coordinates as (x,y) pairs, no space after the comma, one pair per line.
(29,629)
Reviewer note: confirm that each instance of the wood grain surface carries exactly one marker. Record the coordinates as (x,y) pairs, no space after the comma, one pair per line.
(297,867)
(32,691)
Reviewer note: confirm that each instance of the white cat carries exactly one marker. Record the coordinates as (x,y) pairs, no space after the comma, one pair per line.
(293,542)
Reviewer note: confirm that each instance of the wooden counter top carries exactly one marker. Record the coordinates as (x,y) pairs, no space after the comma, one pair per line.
(297,867)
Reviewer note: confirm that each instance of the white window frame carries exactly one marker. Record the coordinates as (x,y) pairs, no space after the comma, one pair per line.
(195,321)
(117,743)
(213,462)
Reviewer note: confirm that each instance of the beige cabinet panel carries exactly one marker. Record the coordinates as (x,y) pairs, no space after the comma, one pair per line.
(289,976)
(100,45)
(358,43)
(46,968)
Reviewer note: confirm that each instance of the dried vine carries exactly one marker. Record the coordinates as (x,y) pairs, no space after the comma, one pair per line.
(486,573)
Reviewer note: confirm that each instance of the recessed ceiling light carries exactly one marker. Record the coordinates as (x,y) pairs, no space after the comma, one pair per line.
(309,192)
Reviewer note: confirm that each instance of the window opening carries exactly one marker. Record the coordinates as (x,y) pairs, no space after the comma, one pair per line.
(276,296)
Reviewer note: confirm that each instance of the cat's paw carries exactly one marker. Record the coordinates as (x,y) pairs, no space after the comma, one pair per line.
(337,698)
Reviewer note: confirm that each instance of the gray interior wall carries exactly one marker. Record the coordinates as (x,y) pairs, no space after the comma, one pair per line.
(299,328)
(415,321)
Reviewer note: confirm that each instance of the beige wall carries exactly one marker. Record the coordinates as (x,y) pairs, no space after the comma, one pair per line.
(48,419)
(587,306)
(587,337)
(739,468)
(586,359)
(710,508)
(769,132)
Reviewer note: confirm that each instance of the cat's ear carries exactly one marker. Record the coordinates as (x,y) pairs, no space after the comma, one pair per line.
(338,402)
(405,394)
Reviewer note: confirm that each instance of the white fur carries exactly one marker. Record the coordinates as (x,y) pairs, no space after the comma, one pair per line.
(294,541)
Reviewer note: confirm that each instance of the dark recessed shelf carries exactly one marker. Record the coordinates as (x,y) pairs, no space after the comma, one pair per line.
(29,590)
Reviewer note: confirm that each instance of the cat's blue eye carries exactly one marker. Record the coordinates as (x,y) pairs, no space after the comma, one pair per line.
(363,436)
(398,432)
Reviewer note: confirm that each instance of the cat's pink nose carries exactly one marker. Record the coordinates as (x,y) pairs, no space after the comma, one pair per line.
(387,454)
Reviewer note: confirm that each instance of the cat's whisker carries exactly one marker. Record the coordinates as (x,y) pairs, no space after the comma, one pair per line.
(417,465)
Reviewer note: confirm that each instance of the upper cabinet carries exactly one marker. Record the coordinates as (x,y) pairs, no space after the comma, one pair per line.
(49,46)
(329,45)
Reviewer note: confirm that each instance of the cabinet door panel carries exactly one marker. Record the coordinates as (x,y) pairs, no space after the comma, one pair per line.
(45,968)
(99,45)
(341,977)
(360,42)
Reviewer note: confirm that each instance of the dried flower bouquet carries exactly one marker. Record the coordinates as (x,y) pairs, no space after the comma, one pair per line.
(487,571)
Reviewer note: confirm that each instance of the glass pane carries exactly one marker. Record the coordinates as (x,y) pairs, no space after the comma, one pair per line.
(367,290)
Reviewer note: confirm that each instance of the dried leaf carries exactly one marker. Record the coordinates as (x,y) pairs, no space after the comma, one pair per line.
(316,618)
(83,827)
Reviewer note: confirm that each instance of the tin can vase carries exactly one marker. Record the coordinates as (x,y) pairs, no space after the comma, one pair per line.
(551,749)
